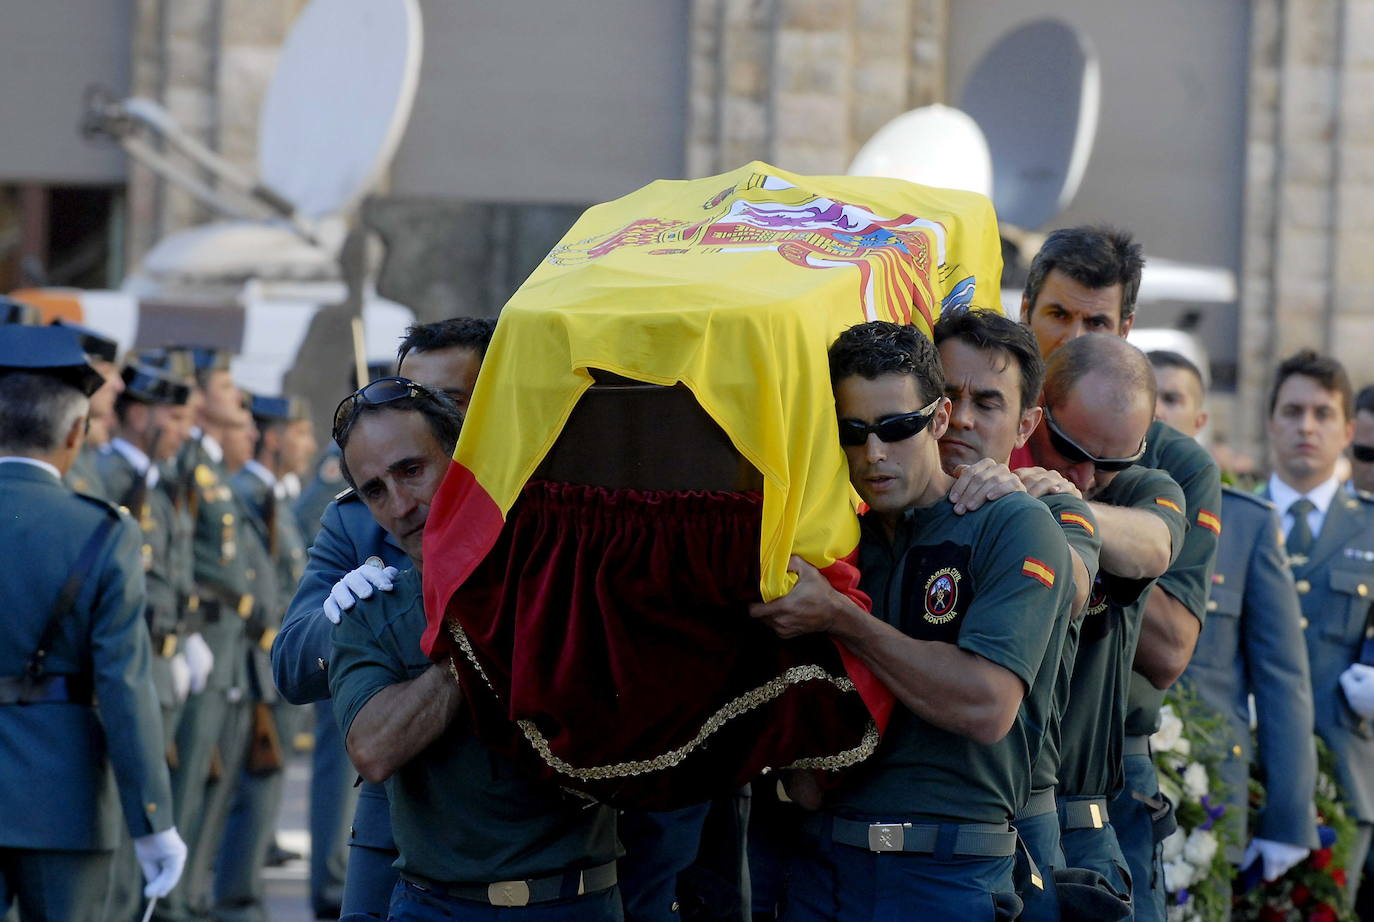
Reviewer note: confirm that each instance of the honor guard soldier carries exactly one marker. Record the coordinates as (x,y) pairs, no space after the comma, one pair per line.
(1085,280)
(102,352)
(224,602)
(285,443)
(444,356)
(965,609)
(1252,644)
(1098,404)
(1329,537)
(74,634)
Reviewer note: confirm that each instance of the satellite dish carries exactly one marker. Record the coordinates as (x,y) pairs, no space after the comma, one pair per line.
(1036,95)
(338,102)
(933,146)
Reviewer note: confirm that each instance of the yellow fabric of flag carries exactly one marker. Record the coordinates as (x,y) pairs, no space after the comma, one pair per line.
(734,285)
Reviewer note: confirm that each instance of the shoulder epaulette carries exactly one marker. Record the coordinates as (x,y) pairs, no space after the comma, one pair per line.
(108,507)
(1237,493)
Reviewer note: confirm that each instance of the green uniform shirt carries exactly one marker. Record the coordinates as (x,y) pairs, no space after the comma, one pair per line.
(151,508)
(1189,580)
(460,813)
(1076,520)
(995,582)
(1093,725)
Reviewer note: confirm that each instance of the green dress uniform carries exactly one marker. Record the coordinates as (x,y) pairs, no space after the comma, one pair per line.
(923,824)
(248,833)
(473,834)
(58,813)
(1139,826)
(1094,723)
(216,716)
(1334,577)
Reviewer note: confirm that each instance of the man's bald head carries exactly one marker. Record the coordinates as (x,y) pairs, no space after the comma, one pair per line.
(1118,369)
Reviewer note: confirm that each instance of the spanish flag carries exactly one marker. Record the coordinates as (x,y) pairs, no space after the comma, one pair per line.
(733,286)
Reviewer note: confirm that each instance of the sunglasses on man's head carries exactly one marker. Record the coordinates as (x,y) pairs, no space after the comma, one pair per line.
(1076,454)
(890,429)
(1363,453)
(381,391)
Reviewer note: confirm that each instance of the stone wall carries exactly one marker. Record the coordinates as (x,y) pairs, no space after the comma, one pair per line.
(803,83)
(1307,270)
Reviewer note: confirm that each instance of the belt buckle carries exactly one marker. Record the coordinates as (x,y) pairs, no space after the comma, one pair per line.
(1096,813)
(509,893)
(886,837)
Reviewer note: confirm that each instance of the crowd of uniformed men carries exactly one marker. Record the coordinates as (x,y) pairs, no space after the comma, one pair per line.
(1046,546)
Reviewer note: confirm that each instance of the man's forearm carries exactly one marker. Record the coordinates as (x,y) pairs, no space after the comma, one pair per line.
(944,685)
(401,720)
(1168,636)
(1135,544)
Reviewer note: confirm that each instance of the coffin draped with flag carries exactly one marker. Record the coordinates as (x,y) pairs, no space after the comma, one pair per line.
(651,437)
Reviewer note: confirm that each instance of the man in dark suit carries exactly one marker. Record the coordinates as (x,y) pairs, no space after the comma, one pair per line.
(1329,536)
(74,634)
(1252,643)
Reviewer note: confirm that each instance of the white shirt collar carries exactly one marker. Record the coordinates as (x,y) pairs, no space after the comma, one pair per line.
(140,460)
(1321,495)
(212,447)
(291,484)
(42,465)
(259,470)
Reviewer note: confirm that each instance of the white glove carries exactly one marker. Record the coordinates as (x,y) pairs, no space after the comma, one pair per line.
(162,855)
(200,661)
(1278,856)
(357,584)
(181,677)
(1358,684)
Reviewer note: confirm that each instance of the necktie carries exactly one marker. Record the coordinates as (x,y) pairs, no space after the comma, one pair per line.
(1300,535)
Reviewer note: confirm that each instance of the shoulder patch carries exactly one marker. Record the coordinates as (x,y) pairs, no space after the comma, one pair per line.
(1210,521)
(1168,504)
(1037,570)
(1073,518)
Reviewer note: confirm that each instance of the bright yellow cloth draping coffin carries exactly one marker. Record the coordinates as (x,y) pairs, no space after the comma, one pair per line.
(735,286)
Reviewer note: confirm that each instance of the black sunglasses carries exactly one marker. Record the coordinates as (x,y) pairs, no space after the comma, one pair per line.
(1075,453)
(1362,453)
(890,429)
(381,391)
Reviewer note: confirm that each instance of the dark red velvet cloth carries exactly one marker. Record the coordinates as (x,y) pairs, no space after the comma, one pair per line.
(615,623)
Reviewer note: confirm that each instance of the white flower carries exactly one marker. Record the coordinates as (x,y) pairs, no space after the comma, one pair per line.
(1177,875)
(1201,848)
(1183,747)
(1195,779)
(1170,732)
(1173,845)
(1169,789)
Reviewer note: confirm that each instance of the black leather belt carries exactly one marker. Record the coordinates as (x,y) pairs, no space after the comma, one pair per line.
(523,892)
(979,840)
(46,689)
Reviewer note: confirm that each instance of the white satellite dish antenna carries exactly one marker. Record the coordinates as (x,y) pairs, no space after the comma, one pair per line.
(933,146)
(331,119)
(1036,96)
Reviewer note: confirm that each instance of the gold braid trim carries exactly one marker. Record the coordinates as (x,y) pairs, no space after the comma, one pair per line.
(867,746)
(747,702)
(461,636)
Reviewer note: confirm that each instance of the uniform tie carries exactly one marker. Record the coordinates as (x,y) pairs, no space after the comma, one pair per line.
(1300,534)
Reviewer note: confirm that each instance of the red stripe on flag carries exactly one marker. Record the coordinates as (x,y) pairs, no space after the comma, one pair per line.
(464,522)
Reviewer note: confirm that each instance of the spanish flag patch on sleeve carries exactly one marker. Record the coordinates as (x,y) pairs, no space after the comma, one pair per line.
(1037,570)
(1073,518)
(1168,504)
(1209,521)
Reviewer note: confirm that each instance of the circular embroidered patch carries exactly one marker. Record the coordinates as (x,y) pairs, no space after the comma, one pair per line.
(942,594)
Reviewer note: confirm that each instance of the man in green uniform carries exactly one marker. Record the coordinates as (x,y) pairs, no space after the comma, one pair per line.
(74,634)
(1098,403)
(966,608)
(285,443)
(102,352)
(1085,280)
(475,839)
(993,373)
(225,601)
